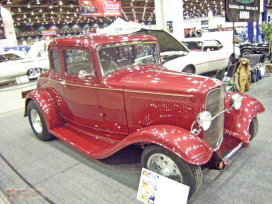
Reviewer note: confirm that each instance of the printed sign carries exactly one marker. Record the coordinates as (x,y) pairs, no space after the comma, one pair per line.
(99,8)
(242,10)
(157,189)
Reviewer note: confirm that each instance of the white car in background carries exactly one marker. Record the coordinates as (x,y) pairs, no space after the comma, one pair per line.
(205,56)
(15,63)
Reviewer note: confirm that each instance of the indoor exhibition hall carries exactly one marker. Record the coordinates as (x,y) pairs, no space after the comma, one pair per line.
(135,101)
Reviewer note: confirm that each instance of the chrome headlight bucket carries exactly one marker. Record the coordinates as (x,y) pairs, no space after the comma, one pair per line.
(204,120)
(235,101)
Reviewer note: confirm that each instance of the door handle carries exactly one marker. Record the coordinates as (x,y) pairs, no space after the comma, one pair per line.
(63,83)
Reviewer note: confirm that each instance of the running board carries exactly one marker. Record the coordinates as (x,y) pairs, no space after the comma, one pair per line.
(230,154)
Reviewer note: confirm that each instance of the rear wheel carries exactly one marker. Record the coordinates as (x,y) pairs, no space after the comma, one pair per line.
(246,52)
(37,122)
(166,163)
(188,69)
(253,128)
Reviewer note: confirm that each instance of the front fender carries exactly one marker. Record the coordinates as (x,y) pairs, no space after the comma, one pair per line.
(237,122)
(43,99)
(181,142)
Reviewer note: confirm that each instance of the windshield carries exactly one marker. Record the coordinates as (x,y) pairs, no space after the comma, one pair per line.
(120,56)
(193,45)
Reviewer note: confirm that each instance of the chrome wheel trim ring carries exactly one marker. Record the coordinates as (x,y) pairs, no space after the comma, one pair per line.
(36,121)
(164,165)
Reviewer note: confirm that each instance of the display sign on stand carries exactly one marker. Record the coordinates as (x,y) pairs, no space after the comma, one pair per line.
(242,10)
(157,189)
(93,8)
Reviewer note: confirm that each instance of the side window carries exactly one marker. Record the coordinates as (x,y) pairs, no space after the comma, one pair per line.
(77,60)
(220,46)
(211,45)
(55,61)
(13,57)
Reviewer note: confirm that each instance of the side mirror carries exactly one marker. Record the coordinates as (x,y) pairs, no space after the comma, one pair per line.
(82,74)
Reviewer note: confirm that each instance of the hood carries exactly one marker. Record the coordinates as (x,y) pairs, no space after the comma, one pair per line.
(155,80)
(166,40)
(37,49)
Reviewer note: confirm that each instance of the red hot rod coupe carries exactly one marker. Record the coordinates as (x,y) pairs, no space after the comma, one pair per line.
(103,93)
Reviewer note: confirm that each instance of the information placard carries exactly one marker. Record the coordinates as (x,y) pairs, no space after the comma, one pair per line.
(157,189)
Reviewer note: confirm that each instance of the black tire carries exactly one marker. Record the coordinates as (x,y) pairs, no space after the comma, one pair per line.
(253,128)
(183,172)
(37,122)
(233,89)
(189,69)
(246,52)
(231,60)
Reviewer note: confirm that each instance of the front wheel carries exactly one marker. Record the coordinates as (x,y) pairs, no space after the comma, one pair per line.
(37,122)
(166,163)
(188,69)
(253,128)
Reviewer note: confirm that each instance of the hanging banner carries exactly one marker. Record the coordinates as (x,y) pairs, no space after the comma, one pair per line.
(99,8)
(49,33)
(242,10)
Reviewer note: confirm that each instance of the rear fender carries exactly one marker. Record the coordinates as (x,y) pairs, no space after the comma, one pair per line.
(181,142)
(44,101)
(237,122)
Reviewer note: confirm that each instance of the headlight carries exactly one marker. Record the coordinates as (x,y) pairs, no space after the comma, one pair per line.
(204,120)
(236,101)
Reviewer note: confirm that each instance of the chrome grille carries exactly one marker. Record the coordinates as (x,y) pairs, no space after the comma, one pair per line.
(215,104)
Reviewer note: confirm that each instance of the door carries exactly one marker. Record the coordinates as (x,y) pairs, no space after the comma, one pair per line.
(214,55)
(81,94)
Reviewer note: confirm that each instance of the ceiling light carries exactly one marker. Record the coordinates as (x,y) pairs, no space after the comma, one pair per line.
(38,2)
(60,3)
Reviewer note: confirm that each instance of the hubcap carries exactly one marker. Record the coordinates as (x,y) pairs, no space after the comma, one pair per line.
(36,121)
(164,165)
(34,72)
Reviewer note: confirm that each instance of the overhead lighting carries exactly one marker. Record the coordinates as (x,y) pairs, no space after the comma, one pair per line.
(50,6)
(38,2)
(28,6)
(19,10)
(60,3)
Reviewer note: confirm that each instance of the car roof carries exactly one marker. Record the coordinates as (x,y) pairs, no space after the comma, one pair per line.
(98,40)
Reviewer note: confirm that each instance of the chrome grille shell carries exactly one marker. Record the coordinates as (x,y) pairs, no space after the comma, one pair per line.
(215,104)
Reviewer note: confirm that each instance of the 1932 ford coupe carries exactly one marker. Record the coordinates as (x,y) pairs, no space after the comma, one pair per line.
(103,93)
